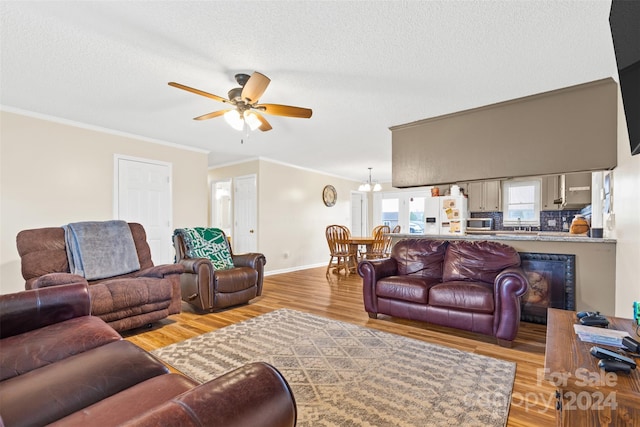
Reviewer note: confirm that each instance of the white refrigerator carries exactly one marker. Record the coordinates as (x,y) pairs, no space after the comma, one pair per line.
(445,215)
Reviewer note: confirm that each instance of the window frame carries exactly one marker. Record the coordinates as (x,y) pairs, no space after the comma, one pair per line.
(537,184)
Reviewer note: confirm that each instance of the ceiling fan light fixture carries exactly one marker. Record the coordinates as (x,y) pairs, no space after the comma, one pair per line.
(252,120)
(234,119)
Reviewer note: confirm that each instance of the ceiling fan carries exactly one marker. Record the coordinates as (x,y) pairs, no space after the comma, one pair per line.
(246,111)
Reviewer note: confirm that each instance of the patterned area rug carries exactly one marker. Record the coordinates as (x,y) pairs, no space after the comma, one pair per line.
(347,375)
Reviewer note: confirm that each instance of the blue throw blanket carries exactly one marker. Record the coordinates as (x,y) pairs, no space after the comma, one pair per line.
(97,250)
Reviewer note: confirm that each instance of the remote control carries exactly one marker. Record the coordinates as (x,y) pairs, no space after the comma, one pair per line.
(614,366)
(602,353)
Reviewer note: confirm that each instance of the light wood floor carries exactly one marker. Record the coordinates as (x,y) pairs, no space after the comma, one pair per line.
(533,401)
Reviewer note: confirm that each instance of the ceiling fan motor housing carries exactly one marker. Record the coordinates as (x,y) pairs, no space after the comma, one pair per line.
(242,79)
(235,95)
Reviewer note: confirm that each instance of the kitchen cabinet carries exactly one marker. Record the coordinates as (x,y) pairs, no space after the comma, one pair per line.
(484,196)
(575,190)
(550,193)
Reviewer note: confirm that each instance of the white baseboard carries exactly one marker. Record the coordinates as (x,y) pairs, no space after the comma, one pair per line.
(298,268)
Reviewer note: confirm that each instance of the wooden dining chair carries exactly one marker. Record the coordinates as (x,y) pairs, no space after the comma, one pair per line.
(379,247)
(341,251)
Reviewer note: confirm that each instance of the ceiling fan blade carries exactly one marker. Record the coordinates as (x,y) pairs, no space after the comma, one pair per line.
(198,91)
(211,115)
(255,87)
(265,126)
(285,110)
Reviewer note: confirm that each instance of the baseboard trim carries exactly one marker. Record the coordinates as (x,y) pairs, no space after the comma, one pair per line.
(290,269)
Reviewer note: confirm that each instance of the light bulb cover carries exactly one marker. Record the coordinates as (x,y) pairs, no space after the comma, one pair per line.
(234,119)
(252,120)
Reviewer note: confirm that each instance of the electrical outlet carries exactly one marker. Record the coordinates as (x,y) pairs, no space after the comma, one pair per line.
(636,312)
(551,223)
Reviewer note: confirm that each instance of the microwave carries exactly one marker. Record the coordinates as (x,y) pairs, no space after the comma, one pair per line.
(479,224)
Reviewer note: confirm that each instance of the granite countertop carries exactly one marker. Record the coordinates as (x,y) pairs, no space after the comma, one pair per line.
(542,236)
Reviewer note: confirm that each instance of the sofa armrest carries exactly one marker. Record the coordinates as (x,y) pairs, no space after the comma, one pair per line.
(371,271)
(161,271)
(253,395)
(509,286)
(195,265)
(511,281)
(253,260)
(33,309)
(56,279)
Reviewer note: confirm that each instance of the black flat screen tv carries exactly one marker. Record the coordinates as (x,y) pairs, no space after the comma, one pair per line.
(624,20)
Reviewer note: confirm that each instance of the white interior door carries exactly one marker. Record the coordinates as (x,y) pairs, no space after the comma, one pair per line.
(245,213)
(143,195)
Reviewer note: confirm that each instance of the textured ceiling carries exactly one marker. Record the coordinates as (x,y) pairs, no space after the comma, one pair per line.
(362,67)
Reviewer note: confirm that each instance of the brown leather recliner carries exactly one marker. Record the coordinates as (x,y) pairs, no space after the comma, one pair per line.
(209,289)
(125,302)
(61,366)
(470,285)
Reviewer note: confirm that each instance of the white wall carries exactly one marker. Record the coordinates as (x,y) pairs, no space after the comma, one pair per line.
(53,173)
(292,217)
(626,207)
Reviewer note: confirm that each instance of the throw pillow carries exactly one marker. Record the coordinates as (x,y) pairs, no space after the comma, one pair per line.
(208,243)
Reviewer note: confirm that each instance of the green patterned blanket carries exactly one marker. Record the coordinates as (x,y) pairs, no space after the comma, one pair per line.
(208,243)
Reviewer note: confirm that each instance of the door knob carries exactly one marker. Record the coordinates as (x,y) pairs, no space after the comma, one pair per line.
(251,231)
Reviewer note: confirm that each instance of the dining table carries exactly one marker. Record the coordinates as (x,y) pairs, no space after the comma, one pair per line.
(355,243)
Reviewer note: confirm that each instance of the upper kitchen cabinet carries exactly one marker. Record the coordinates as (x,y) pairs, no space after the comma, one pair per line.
(575,190)
(484,196)
(551,197)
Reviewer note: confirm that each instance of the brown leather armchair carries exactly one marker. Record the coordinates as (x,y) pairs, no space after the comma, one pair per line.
(125,302)
(209,289)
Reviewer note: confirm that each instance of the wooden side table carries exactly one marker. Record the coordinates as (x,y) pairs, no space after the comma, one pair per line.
(587,395)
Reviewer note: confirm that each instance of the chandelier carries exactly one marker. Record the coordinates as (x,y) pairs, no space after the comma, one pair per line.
(370,185)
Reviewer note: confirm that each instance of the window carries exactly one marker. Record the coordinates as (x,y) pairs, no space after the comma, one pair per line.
(521,203)
(404,208)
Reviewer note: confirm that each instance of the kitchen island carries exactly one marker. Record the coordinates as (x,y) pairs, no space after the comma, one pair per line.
(595,260)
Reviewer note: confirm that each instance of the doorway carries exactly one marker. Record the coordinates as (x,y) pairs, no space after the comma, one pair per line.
(359,214)
(142,194)
(221,213)
(245,212)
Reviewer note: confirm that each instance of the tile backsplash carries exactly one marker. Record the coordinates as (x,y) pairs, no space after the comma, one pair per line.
(546,217)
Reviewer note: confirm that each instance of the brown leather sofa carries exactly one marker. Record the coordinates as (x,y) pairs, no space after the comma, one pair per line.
(209,289)
(125,302)
(61,366)
(470,285)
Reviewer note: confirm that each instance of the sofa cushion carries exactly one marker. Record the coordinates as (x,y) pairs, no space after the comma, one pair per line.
(420,257)
(466,296)
(115,295)
(75,382)
(477,260)
(405,288)
(129,403)
(40,347)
